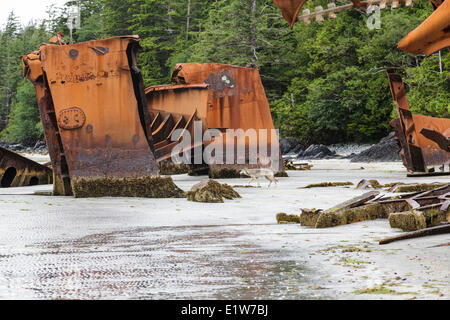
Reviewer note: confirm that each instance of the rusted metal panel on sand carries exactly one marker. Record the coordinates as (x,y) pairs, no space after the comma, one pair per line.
(421,137)
(18,171)
(92,105)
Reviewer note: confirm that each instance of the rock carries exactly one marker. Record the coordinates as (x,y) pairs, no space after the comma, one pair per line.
(211,191)
(290,145)
(386,150)
(316,151)
(284,218)
(408,221)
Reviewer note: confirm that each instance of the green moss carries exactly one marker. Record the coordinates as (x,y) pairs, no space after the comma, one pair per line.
(380,290)
(224,173)
(328,184)
(281,174)
(346,216)
(211,192)
(309,217)
(170,168)
(408,221)
(418,187)
(143,187)
(283,218)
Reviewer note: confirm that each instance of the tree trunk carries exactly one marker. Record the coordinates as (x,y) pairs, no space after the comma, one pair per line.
(188,19)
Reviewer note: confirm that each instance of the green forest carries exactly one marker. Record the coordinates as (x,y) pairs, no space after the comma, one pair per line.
(326,83)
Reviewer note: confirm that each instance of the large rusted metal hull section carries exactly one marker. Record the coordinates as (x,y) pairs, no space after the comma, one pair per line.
(92,107)
(222,97)
(32,70)
(432,35)
(421,151)
(18,171)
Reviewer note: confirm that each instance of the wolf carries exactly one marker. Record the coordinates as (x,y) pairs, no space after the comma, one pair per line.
(258,173)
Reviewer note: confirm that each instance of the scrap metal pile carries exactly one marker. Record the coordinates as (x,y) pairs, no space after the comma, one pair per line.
(427,207)
(107,135)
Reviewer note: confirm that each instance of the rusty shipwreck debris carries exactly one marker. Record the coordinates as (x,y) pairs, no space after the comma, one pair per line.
(433,34)
(220,97)
(93,110)
(18,171)
(408,211)
(444,229)
(422,139)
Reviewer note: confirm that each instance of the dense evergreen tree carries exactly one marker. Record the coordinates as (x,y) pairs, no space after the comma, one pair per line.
(325,82)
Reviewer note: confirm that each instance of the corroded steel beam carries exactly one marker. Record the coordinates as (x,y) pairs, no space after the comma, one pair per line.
(419,153)
(432,35)
(18,171)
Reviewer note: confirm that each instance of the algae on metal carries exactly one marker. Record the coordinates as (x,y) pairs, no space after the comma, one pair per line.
(328,184)
(309,217)
(408,221)
(142,187)
(211,192)
(169,168)
(284,218)
(347,216)
(419,187)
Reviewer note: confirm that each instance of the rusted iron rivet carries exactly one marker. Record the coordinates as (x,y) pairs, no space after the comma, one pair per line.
(72,118)
(73,53)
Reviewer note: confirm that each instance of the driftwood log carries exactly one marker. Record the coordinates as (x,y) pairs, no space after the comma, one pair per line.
(418,234)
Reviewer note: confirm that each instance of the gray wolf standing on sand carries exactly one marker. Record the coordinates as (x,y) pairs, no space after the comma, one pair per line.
(258,173)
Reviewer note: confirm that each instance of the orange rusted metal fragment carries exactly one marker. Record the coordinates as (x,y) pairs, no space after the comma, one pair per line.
(221,97)
(290,9)
(432,35)
(18,171)
(92,105)
(420,137)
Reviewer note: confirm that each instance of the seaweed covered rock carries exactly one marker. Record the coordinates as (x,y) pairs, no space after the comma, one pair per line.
(408,221)
(167,167)
(328,185)
(284,218)
(418,187)
(224,173)
(309,217)
(212,192)
(142,187)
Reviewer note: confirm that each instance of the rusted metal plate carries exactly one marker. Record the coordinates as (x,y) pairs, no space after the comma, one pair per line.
(419,152)
(432,35)
(101,86)
(18,171)
(221,97)
(290,9)
(91,101)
